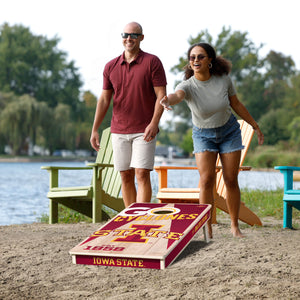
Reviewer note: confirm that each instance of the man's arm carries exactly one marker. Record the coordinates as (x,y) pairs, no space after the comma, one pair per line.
(152,129)
(101,110)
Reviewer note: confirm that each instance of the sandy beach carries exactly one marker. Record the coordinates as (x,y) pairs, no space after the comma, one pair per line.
(35,264)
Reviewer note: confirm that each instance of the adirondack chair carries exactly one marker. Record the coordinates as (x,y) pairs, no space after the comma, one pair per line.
(191,195)
(291,196)
(89,200)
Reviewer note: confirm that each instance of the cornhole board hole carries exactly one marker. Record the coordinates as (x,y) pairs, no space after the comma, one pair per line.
(144,235)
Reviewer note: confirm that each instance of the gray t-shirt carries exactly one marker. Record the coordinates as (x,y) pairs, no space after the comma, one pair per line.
(208,100)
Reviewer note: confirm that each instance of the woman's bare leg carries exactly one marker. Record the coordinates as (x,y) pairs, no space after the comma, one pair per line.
(206,163)
(230,164)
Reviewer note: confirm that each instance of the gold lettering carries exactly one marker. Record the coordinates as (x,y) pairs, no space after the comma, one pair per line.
(181,217)
(172,217)
(141,263)
(105,261)
(137,232)
(134,262)
(119,219)
(155,233)
(192,216)
(100,233)
(174,236)
(121,231)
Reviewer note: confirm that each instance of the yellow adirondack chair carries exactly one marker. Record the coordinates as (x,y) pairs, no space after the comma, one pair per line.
(191,195)
(89,200)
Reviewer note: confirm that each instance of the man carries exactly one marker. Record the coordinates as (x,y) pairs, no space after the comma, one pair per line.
(137,82)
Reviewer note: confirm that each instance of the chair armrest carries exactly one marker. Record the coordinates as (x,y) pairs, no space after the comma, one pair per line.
(54,172)
(100,165)
(175,168)
(163,173)
(50,168)
(287,168)
(287,172)
(245,168)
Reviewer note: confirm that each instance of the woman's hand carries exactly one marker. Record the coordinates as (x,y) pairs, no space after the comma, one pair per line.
(260,136)
(165,103)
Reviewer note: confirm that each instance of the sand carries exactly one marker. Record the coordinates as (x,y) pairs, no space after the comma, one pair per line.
(35,264)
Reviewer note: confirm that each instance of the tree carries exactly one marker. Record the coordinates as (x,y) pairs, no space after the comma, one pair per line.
(19,121)
(34,65)
(274,126)
(294,128)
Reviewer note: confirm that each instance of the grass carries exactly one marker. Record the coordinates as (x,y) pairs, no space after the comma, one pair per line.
(67,215)
(263,203)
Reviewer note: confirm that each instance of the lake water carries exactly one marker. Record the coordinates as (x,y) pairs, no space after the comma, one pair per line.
(24,186)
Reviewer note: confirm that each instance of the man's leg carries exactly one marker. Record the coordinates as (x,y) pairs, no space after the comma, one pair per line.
(128,187)
(144,185)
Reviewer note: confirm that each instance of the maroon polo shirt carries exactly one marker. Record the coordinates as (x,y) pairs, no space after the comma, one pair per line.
(134,96)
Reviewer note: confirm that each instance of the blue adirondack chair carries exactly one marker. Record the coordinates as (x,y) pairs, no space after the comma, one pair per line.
(291,196)
(89,200)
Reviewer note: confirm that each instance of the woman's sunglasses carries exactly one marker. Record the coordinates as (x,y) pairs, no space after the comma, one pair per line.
(199,57)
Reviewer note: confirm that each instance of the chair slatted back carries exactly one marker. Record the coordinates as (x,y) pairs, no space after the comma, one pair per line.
(247,134)
(111,179)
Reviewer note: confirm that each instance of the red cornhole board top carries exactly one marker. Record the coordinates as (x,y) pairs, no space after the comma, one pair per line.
(144,235)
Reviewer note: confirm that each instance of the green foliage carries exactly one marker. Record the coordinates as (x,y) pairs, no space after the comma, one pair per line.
(270,156)
(274,125)
(264,203)
(19,121)
(34,65)
(40,95)
(187,142)
(294,129)
(278,66)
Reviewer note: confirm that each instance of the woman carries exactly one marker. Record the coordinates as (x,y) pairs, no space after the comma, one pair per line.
(210,95)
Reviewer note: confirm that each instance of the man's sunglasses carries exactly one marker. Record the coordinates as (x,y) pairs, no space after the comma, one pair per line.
(132,35)
(199,57)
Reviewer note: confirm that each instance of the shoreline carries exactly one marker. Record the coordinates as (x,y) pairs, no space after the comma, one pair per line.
(20,159)
(177,161)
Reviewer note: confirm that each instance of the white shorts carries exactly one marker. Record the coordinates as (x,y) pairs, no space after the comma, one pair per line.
(132,151)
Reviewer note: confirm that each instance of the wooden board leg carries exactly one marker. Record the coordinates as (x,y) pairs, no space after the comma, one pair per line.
(205,232)
(214,215)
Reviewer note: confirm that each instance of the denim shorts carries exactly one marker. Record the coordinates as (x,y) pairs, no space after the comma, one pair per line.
(224,139)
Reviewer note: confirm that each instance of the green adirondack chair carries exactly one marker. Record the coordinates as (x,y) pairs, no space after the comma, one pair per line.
(89,200)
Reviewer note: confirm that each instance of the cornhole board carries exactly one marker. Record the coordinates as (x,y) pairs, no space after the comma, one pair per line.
(144,235)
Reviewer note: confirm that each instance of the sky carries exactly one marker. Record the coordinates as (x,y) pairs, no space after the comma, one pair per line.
(90,30)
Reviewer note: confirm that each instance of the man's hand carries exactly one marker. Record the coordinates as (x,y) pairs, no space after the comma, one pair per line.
(94,140)
(150,133)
